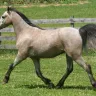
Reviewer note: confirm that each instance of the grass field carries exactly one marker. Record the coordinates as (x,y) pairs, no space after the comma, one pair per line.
(24,82)
(64,11)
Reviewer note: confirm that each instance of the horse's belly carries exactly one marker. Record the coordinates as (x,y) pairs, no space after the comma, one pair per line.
(46,53)
(50,54)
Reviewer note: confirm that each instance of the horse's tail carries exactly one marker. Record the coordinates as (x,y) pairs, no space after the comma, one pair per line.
(88,33)
(83,34)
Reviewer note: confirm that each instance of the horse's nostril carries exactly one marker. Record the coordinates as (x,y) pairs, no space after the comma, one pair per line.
(3,17)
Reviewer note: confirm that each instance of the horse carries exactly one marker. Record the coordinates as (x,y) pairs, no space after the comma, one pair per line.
(36,43)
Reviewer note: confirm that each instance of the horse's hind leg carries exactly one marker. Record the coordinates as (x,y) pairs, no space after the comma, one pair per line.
(39,74)
(87,68)
(68,71)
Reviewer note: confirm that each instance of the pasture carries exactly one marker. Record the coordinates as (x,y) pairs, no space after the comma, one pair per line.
(24,81)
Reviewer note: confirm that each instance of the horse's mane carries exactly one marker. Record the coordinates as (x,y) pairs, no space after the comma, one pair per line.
(24,18)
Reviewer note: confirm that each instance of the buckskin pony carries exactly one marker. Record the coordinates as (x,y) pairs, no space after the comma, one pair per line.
(35,43)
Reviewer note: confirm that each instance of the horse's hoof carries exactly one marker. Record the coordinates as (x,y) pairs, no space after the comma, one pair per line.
(51,85)
(4,82)
(94,85)
(58,87)
(6,79)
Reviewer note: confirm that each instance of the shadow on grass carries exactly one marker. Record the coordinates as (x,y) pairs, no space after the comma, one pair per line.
(79,87)
(31,86)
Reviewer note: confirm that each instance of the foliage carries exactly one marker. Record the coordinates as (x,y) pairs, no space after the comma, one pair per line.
(39,1)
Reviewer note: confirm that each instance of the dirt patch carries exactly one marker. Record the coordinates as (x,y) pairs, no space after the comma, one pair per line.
(83,2)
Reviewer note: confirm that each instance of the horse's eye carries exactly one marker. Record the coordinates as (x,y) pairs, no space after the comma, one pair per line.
(3,17)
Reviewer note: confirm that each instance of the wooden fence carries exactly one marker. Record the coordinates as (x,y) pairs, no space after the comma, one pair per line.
(72,21)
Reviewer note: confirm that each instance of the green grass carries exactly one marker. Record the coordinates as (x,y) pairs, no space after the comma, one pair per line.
(79,10)
(24,82)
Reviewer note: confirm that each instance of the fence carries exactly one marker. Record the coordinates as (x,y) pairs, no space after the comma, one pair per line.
(72,21)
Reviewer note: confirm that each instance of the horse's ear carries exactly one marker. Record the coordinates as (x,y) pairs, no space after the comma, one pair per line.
(8,9)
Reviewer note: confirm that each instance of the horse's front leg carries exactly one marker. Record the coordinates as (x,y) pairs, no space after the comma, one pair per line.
(18,59)
(39,74)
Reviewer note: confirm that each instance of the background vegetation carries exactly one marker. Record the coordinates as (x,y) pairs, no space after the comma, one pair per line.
(24,82)
(39,1)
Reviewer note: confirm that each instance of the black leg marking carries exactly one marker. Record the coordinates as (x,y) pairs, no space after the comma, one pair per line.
(39,73)
(19,58)
(7,75)
(87,68)
(45,80)
(68,71)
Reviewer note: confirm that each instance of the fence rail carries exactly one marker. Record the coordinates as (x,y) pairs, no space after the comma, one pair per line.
(72,21)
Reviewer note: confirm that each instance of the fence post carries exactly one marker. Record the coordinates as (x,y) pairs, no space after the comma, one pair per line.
(72,21)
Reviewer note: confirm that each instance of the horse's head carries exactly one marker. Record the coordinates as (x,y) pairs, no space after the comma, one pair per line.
(5,19)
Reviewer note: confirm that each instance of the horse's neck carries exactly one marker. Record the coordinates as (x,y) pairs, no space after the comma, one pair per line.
(19,24)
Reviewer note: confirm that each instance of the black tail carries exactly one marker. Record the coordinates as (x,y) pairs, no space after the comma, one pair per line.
(88,34)
(83,34)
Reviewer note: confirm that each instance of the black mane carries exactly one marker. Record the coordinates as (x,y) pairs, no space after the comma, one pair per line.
(24,18)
